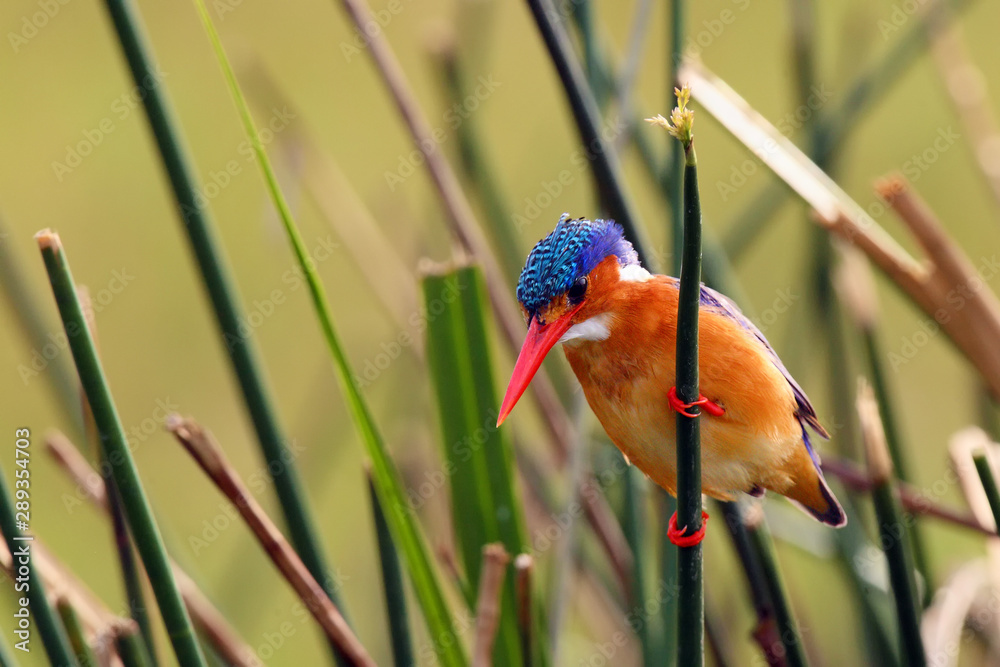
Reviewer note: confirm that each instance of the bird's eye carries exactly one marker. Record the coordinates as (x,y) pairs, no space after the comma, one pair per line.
(577,291)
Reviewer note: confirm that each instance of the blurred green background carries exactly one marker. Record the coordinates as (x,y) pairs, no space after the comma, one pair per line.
(158,337)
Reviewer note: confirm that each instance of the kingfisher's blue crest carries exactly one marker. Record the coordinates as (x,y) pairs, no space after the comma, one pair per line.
(571,251)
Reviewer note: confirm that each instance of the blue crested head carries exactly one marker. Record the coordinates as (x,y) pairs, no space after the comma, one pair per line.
(569,253)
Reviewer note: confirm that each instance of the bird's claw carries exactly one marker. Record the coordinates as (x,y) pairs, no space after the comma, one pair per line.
(679,538)
(680,406)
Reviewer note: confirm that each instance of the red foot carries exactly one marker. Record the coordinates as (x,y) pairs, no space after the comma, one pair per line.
(680,406)
(678,538)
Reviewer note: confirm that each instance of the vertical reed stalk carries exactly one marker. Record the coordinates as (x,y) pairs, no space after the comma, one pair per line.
(674,191)
(633,518)
(691,596)
(985,471)
(857,291)
(392,584)
(116,450)
(130,570)
(218,283)
(77,638)
(892,530)
(893,440)
(131,648)
(788,630)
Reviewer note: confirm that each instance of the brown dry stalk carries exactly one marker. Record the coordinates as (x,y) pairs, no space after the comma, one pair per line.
(946,286)
(491,578)
(208,619)
(203,448)
(72,461)
(964,306)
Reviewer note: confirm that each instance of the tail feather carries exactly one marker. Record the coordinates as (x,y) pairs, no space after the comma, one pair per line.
(810,490)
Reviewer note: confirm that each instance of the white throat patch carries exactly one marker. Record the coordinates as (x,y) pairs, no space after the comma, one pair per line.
(596,328)
(634,273)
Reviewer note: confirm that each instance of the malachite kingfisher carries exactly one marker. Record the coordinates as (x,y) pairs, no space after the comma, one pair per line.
(583,286)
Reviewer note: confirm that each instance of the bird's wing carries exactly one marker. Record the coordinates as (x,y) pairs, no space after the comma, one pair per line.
(725,306)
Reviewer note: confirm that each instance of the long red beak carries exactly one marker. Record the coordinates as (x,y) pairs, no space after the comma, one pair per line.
(538,342)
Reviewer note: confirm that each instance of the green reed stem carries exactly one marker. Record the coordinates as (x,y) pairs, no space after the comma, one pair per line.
(131,573)
(897,451)
(989,483)
(77,639)
(989,417)
(632,520)
(673,189)
(788,629)
(54,639)
(893,530)
(900,572)
(114,446)
(691,597)
(392,584)
(132,649)
(222,293)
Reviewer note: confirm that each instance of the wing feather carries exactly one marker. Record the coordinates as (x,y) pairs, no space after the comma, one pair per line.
(725,306)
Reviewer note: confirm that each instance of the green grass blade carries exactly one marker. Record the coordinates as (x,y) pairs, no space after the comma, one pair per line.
(392,585)
(478,456)
(222,293)
(115,449)
(54,639)
(389,487)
